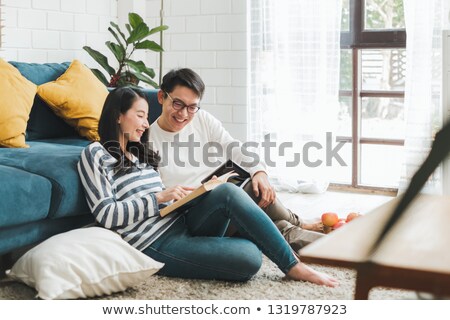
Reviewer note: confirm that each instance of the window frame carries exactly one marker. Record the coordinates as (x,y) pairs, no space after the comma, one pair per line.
(357,39)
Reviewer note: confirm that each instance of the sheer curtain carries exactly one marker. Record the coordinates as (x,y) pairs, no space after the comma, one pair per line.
(294,84)
(425,21)
(1,26)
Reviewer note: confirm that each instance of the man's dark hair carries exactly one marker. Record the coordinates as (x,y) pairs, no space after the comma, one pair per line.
(183,77)
(119,101)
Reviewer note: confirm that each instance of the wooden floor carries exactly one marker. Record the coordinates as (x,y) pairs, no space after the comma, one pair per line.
(311,206)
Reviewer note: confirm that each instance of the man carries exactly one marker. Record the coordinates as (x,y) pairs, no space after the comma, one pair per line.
(192,143)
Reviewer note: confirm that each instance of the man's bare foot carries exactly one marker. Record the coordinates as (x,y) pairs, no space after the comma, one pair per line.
(303,272)
(315,226)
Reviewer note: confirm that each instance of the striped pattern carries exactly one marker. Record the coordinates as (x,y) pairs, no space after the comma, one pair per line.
(123,202)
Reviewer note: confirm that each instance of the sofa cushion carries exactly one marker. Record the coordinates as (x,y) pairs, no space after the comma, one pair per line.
(155,108)
(40,73)
(57,163)
(21,235)
(43,122)
(25,196)
(71,141)
(17,94)
(77,96)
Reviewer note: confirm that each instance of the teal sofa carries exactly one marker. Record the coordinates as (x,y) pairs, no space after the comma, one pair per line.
(40,191)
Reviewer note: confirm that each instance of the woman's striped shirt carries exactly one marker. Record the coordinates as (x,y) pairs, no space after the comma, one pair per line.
(123,201)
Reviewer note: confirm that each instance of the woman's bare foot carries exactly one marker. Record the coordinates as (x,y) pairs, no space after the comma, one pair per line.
(303,272)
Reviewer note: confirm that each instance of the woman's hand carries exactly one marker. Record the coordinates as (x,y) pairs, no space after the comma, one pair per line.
(263,188)
(173,193)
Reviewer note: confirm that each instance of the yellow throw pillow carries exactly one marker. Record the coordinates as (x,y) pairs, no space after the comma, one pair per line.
(16,99)
(77,96)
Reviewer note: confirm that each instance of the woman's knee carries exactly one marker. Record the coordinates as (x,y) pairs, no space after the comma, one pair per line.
(229,191)
(228,188)
(251,260)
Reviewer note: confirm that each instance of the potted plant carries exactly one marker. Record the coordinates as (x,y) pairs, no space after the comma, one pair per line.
(129,72)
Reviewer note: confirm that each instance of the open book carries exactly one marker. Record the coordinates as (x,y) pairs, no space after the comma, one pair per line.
(240,179)
(228,172)
(194,195)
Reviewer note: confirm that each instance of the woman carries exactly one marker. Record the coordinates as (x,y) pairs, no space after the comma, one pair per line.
(125,193)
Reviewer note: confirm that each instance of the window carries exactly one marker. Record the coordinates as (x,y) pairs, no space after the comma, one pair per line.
(372,83)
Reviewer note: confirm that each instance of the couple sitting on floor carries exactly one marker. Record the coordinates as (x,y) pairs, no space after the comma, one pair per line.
(126,185)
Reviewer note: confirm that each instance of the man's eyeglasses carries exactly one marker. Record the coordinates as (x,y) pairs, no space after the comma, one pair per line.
(178,105)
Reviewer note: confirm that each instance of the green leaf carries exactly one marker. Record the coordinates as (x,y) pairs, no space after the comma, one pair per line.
(158,29)
(100,59)
(135,19)
(118,30)
(145,79)
(117,37)
(100,76)
(140,66)
(128,28)
(136,65)
(117,50)
(150,45)
(138,34)
(150,72)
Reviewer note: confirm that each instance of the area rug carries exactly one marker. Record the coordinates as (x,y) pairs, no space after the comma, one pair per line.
(267,284)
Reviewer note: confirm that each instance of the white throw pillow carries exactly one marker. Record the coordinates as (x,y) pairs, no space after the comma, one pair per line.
(83,263)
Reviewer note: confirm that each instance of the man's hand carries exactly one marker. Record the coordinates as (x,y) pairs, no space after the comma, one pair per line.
(173,193)
(262,187)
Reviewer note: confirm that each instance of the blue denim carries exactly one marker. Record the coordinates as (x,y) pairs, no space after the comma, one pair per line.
(195,246)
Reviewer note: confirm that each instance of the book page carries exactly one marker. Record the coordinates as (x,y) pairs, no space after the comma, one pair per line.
(224,178)
(206,187)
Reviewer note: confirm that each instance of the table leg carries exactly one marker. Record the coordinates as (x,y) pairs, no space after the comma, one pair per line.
(363,286)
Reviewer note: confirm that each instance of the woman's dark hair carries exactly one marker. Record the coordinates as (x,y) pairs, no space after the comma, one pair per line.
(183,77)
(118,102)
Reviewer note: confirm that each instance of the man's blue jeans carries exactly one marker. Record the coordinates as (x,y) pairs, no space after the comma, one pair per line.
(195,246)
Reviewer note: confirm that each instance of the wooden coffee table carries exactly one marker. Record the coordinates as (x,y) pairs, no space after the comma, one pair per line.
(414,255)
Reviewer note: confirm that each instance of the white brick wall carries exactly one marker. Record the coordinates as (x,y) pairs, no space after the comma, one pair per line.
(44,39)
(56,30)
(73,6)
(209,36)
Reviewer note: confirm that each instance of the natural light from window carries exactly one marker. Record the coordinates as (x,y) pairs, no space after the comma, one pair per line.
(372,84)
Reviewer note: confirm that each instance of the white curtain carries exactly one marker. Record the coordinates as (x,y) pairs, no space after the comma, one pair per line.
(425,21)
(294,83)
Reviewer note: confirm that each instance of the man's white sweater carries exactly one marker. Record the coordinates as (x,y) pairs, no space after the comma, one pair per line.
(190,155)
